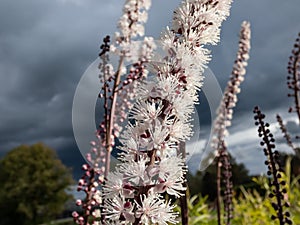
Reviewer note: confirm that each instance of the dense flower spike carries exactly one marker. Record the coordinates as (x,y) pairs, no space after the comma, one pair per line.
(229,100)
(160,120)
(293,80)
(279,191)
(294,77)
(223,120)
(286,135)
(89,183)
(117,96)
(133,18)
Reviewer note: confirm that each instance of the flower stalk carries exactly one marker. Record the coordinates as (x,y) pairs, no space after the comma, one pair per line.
(223,121)
(293,80)
(294,77)
(117,98)
(279,191)
(160,120)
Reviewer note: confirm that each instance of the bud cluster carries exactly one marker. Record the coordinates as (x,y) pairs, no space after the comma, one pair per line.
(278,190)
(294,77)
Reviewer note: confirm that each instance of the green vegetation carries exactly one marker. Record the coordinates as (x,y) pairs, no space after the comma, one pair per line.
(251,205)
(33,185)
(206,182)
(251,208)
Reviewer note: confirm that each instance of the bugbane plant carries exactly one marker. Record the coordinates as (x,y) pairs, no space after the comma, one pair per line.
(279,191)
(223,121)
(286,134)
(293,77)
(293,80)
(160,120)
(116,94)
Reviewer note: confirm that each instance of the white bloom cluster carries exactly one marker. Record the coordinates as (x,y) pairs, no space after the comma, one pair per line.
(117,94)
(200,21)
(160,119)
(134,15)
(195,24)
(228,102)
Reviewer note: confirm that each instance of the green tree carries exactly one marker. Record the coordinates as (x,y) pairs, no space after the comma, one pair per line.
(33,185)
(205,182)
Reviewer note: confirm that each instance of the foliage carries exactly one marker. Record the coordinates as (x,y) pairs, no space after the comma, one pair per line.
(205,182)
(251,208)
(33,185)
(199,211)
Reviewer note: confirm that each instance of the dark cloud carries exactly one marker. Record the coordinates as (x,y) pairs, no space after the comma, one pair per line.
(272,39)
(45,46)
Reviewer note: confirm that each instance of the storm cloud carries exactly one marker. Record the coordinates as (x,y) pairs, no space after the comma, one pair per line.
(45,47)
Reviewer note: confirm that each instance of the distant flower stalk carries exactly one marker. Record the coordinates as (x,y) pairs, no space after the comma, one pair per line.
(223,121)
(293,78)
(229,100)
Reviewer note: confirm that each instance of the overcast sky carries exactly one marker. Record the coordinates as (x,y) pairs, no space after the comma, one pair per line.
(46,45)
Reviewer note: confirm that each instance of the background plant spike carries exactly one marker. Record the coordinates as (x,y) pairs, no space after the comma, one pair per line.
(293,83)
(223,121)
(287,136)
(293,78)
(279,191)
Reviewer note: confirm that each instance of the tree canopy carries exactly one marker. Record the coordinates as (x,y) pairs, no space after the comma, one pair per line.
(205,182)
(33,185)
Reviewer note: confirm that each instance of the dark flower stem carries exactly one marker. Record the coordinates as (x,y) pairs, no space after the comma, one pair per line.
(286,134)
(293,77)
(227,180)
(219,167)
(274,169)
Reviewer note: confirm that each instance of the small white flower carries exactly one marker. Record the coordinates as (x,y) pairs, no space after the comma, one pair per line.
(167,39)
(113,185)
(171,176)
(152,210)
(158,134)
(96,213)
(146,111)
(117,208)
(181,130)
(135,172)
(98,197)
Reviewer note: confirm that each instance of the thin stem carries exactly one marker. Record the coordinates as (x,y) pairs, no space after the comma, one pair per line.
(296,78)
(219,165)
(109,130)
(293,77)
(286,134)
